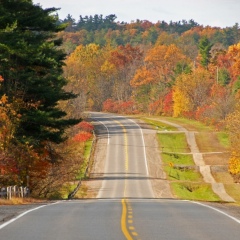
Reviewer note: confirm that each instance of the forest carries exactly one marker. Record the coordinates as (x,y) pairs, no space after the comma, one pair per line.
(53,70)
(177,69)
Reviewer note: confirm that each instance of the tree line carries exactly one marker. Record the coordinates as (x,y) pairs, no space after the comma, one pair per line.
(103,30)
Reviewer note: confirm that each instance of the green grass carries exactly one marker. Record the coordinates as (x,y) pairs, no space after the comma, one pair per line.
(182,175)
(63,192)
(173,142)
(177,159)
(87,151)
(170,144)
(159,125)
(223,139)
(194,191)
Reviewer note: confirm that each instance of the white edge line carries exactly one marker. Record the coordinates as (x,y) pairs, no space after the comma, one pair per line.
(217,210)
(144,146)
(24,213)
(105,127)
(100,190)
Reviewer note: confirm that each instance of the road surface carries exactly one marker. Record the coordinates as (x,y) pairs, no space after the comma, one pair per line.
(125,207)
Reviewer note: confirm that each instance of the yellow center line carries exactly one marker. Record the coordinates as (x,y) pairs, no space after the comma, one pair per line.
(123,221)
(126,209)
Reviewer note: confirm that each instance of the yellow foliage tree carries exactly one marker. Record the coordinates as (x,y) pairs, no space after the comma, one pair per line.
(233,126)
(234,163)
(82,69)
(181,102)
(191,91)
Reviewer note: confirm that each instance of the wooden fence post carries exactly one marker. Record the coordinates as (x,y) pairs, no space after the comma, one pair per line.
(9,193)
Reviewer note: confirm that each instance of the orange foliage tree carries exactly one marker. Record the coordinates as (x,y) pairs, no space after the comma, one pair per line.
(234,57)
(151,81)
(125,60)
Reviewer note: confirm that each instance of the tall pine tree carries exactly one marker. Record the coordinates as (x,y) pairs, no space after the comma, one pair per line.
(31,66)
(204,49)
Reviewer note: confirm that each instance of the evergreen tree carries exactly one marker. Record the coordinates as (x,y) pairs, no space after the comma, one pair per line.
(71,23)
(31,66)
(204,49)
(224,77)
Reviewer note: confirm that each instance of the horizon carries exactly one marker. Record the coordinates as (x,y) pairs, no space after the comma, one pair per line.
(214,13)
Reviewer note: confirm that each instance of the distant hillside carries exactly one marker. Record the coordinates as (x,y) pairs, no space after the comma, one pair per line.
(106,30)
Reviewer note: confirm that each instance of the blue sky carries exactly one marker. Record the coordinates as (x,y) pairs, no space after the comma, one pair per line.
(220,13)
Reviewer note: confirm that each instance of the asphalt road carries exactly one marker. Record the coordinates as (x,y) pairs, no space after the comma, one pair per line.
(126,171)
(125,207)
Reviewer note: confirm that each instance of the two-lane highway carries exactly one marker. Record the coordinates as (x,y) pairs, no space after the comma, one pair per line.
(126,170)
(125,207)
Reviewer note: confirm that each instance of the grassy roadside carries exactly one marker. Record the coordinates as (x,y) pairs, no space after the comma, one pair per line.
(82,192)
(190,125)
(159,125)
(185,180)
(86,155)
(69,187)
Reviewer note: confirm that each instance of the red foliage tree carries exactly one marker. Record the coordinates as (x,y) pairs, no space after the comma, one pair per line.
(126,107)
(108,105)
(85,126)
(82,136)
(168,104)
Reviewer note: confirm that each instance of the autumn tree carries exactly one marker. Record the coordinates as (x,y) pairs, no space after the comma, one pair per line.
(233,54)
(191,91)
(83,71)
(222,102)
(156,76)
(233,123)
(125,59)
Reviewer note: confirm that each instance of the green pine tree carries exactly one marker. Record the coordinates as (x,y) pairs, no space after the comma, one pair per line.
(31,64)
(204,49)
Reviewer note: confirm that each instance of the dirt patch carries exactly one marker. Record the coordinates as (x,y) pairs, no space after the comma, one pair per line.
(216,158)
(222,176)
(208,142)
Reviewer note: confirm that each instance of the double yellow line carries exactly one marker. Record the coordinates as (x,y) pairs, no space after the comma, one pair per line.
(126,208)
(123,221)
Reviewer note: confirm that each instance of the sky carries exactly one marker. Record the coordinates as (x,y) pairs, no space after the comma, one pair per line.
(219,13)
